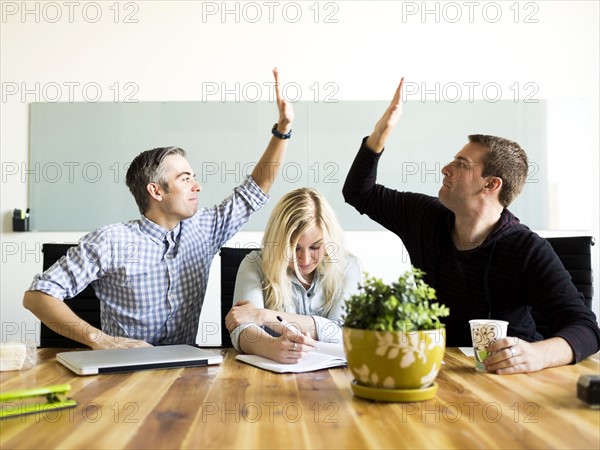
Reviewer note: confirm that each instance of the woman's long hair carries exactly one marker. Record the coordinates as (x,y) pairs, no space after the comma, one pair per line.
(295,213)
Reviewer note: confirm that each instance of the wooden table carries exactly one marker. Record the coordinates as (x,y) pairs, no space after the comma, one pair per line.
(238,406)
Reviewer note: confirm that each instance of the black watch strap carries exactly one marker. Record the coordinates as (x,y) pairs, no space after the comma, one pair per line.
(281,135)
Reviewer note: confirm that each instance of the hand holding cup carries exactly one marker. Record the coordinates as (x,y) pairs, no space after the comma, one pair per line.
(483,333)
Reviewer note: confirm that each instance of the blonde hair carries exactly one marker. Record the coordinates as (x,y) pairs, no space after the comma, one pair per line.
(295,213)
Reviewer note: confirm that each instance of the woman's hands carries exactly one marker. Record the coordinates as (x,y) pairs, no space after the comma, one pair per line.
(243,312)
(289,348)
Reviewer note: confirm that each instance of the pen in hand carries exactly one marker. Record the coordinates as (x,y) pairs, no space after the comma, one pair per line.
(291,328)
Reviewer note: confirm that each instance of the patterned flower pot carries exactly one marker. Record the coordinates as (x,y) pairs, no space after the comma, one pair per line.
(394,360)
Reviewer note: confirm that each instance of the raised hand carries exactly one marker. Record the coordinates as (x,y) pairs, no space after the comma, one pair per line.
(387,122)
(286,111)
(270,162)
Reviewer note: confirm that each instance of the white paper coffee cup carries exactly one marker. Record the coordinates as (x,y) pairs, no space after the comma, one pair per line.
(483,333)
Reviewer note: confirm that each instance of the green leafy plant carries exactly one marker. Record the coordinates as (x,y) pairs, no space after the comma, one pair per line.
(405,305)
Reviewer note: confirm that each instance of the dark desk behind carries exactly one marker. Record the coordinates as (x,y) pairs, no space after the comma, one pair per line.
(238,406)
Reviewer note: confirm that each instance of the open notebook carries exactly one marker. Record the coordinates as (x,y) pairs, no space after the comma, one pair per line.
(328,355)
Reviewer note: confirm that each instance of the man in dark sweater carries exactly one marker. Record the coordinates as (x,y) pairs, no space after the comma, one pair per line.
(481,260)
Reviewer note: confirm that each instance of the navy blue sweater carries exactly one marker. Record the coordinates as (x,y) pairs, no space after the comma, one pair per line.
(511,271)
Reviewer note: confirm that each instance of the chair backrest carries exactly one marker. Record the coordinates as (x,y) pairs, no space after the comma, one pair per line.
(230,261)
(575,252)
(85,304)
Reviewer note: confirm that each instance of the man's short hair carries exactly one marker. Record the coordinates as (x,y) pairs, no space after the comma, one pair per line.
(504,159)
(148,167)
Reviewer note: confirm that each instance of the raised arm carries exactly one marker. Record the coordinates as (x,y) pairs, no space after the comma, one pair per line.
(269,165)
(387,122)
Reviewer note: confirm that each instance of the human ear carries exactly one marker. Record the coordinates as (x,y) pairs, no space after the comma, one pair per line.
(155,191)
(493,184)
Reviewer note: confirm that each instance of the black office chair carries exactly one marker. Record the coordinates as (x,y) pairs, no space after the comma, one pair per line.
(85,304)
(230,261)
(576,255)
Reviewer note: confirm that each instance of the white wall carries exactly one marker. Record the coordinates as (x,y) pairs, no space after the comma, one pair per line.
(162,51)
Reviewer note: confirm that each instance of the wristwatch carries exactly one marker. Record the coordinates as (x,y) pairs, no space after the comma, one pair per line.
(280,135)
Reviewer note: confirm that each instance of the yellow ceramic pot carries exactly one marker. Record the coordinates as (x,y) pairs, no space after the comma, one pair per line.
(394,360)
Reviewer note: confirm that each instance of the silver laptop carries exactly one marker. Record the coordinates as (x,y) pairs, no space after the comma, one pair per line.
(93,362)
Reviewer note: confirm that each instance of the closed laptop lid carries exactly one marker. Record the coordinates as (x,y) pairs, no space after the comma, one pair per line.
(92,362)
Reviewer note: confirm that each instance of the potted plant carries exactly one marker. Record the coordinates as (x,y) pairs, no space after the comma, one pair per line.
(393,338)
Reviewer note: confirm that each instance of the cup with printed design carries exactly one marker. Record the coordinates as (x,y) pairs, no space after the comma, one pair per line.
(483,333)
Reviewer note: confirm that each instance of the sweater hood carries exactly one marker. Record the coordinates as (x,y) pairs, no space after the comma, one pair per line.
(508,225)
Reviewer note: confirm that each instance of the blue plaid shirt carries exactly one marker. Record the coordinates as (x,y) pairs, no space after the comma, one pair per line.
(151,281)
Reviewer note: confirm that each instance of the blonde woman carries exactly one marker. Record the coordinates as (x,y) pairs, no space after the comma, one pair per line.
(303,274)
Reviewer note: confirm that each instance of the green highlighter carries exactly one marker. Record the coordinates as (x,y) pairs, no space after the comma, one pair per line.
(28,401)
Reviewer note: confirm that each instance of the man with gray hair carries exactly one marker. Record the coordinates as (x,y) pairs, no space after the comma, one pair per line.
(151,274)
